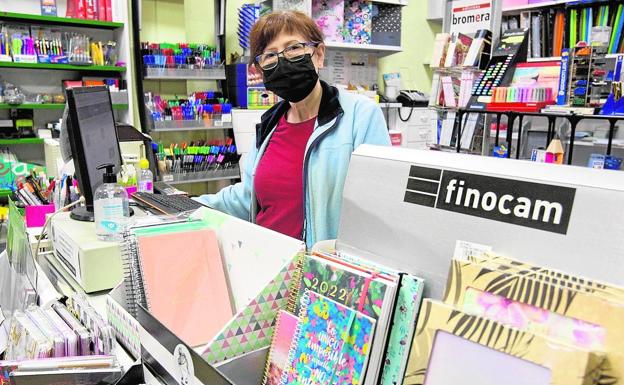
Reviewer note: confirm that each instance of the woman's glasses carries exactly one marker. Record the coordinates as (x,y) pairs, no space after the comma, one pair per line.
(293,53)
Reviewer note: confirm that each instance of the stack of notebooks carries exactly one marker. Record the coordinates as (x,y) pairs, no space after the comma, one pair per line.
(457,59)
(502,316)
(351,324)
(459,50)
(58,342)
(227,276)
(169,284)
(555,28)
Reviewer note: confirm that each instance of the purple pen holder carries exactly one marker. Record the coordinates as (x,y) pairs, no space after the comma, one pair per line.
(36,215)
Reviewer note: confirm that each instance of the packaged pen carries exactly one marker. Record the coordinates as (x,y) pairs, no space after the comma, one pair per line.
(48,330)
(85,337)
(26,341)
(71,338)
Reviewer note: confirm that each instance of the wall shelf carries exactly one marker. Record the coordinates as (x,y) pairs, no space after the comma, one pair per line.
(528,7)
(381,50)
(207,176)
(5,142)
(64,21)
(391,2)
(63,67)
(184,74)
(186,125)
(47,106)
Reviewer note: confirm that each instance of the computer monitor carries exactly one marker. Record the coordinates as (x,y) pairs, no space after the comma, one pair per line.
(93,140)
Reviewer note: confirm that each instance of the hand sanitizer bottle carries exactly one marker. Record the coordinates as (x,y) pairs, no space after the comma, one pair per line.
(110,206)
(145,182)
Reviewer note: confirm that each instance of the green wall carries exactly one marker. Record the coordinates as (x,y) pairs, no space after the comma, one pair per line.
(192,20)
(417,36)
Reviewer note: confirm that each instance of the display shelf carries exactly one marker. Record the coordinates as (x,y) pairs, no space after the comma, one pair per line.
(382,50)
(391,2)
(187,125)
(206,176)
(65,67)
(543,59)
(5,142)
(184,74)
(53,20)
(528,7)
(47,106)
(558,58)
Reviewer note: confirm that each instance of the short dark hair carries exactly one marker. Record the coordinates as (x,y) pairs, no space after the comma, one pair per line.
(269,26)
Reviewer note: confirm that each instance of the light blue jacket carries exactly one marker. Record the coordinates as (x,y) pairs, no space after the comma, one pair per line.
(344,122)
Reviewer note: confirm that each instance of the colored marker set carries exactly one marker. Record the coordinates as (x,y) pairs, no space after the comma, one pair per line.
(181,55)
(493,76)
(522,95)
(200,106)
(196,157)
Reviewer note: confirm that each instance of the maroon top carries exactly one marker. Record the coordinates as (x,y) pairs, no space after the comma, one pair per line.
(279,178)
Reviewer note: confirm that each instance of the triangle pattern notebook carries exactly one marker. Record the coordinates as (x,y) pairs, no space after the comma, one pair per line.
(252,327)
(185,283)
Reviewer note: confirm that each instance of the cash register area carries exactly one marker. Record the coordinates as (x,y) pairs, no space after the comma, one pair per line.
(484,247)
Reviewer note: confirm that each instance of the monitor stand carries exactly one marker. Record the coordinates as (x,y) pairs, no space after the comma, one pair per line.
(81,213)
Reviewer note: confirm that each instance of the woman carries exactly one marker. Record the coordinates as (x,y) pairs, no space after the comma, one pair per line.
(294,177)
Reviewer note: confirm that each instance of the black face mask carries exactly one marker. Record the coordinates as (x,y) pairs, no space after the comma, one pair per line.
(292,82)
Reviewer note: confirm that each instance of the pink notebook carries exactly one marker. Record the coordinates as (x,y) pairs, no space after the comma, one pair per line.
(285,327)
(185,283)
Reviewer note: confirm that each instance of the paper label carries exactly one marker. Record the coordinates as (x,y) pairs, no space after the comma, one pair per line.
(109,215)
(465,249)
(469,16)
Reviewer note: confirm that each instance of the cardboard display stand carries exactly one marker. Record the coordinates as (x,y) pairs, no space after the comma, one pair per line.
(407,208)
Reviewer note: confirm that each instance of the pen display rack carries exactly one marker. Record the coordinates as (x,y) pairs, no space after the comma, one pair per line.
(188,125)
(217,73)
(231,172)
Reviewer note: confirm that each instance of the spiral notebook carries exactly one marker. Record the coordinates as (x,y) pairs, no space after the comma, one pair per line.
(284,331)
(331,344)
(180,277)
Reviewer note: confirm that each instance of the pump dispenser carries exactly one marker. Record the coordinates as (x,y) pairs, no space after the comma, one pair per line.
(110,206)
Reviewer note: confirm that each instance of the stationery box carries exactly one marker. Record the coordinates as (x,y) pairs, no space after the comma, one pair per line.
(387,25)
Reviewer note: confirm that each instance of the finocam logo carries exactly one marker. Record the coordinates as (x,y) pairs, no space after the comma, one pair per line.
(540,206)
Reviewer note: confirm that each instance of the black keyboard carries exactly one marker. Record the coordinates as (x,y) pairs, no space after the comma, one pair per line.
(166,204)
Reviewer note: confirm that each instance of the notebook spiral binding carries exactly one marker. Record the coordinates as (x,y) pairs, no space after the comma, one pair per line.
(295,283)
(267,367)
(133,277)
(305,302)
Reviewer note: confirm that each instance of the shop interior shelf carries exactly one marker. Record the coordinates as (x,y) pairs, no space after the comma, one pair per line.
(6,142)
(527,7)
(54,20)
(186,125)
(66,67)
(47,106)
(207,176)
(381,50)
(184,74)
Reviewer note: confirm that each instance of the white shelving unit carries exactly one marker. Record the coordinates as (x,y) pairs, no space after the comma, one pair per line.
(528,7)
(391,2)
(382,50)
